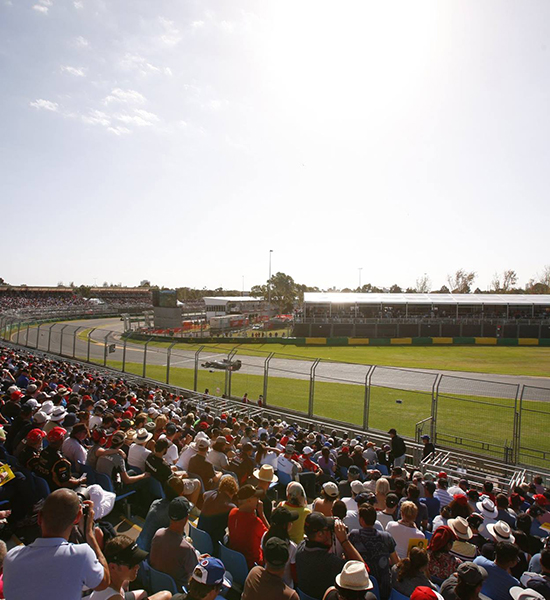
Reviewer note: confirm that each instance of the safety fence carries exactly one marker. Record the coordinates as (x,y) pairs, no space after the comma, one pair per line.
(506,421)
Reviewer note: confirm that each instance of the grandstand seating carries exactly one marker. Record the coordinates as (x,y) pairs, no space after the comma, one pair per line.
(201,540)
(235,563)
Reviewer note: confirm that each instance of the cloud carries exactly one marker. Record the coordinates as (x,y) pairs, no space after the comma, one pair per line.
(142,65)
(73,71)
(81,42)
(124,96)
(96,117)
(78,4)
(140,118)
(119,130)
(171,35)
(227,26)
(43,6)
(45,105)
(197,24)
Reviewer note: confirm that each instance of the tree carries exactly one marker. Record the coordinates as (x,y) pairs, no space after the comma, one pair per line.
(395,289)
(145,283)
(283,292)
(2,281)
(505,284)
(60,284)
(542,286)
(461,281)
(423,285)
(444,290)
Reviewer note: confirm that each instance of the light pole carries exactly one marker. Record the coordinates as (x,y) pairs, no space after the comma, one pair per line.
(269,285)
(360,269)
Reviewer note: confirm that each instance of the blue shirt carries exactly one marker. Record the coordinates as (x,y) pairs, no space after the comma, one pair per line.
(51,568)
(498,583)
(156,518)
(433,505)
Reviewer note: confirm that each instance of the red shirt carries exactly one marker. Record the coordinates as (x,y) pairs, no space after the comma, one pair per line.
(245,535)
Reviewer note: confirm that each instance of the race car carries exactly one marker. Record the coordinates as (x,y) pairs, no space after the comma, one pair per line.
(224,365)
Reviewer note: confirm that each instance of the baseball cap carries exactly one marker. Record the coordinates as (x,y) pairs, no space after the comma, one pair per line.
(283,516)
(423,592)
(316,522)
(276,551)
(56,434)
(354,470)
(392,500)
(248,491)
(331,489)
(471,573)
(118,439)
(179,509)
(210,571)
(130,555)
(35,435)
(357,487)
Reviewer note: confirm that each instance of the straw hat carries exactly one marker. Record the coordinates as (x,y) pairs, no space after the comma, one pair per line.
(487,508)
(265,473)
(501,532)
(461,528)
(354,576)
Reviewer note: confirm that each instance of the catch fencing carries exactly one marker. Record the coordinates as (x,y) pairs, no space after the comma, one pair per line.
(505,421)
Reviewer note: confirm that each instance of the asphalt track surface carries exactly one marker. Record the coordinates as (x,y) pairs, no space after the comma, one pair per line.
(453,382)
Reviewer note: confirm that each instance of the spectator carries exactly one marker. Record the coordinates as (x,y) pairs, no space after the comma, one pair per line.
(316,566)
(428,448)
(538,515)
(441,492)
(353,583)
(442,564)
(462,548)
(208,580)
(357,488)
(138,453)
(377,548)
(170,552)
(73,447)
(326,463)
(30,448)
(411,572)
(382,490)
(286,464)
(539,582)
(281,524)
(389,514)
(499,581)
(247,525)
(156,465)
(354,474)
(218,455)
(504,511)
(216,507)
(498,532)
(465,584)
(296,502)
(405,529)
(329,494)
(60,568)
(268,582)
(432,503)
(413,495)
(114,466)
(397,449)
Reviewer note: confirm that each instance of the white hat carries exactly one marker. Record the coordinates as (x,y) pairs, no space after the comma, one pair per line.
(40,417)
(103,501)
(152,412)
(191,485)
(143,436)
(265,473)
(331,489)
(518,593)
(47,407)
(357,487)
(354,576)
(501,532)
(33,403)
(487,508)
(13,388)
(307,450)
(58,414)
(202,444)
(461,528)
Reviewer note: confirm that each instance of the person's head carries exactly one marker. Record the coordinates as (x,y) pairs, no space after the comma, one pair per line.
(367,515)
(353,582)
(409,510)
(413,492)
(442,540)
(524,522)
(411,566)
(123,557)
(79,432)
(425,439)
(329,491)
(502,501)
(178,512)
(160,422)
(247,498)
(545,560)
(56,436)
(392,432)
(391,503)
(207,579)
(228,485)
(319,528)
(173,487)
(382,487)
(339,509)
(60,511)
(506,554)
(276,554)
(459,506)
(488,487)
(161,447)
(442,483)
(470,578)
(429,488)
(281,523)
(295,494)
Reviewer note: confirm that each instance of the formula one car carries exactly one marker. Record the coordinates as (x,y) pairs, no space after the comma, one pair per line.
(224,365)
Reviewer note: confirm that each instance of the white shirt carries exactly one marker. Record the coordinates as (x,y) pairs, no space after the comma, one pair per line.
(172,453)
(185,456)
(270,459)
(218,459)
(350,503)
(50,568)
(74,451)
(286,465)
(402,534)
(137,455)
(95,421)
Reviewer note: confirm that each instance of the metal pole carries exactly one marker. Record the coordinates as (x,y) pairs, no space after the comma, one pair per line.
(124,351)
(50,336)
(269,285)
(38,335)
(266,375)
(27,336)
(74,341)
(227,390)
(196,376)
(312,387)
(18,331)
(168,356)
(145,357)
(105,349)
(61,340)
(366,409)
(435,402)
(517,423)
(89,335)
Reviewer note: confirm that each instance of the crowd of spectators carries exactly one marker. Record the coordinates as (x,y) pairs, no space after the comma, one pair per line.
(335,517)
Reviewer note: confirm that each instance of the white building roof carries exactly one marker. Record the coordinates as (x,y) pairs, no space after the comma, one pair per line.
(218,300)
(429,299)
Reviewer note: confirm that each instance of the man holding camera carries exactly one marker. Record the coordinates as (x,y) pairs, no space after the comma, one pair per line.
(316,566)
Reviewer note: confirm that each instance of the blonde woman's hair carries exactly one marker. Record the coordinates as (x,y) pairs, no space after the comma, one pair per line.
(409,510)
(161,421)
(382,486)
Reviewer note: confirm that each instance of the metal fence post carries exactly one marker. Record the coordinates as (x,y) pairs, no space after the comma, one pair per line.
(125,337)
(38,335)
(312,387)
(435,402)
(74,341)
(2,319)
(18,331)
(145,357)
(227,390)
(105,348)
(196,376)
(517,424)
(50,335)
(266,375)
(27,336)
(89,341)
(168,357)
(61,340)
(366,408)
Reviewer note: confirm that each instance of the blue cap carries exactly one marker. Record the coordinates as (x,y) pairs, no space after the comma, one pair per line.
(210,571)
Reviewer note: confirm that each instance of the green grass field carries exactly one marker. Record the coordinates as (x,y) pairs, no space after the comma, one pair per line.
(345,402)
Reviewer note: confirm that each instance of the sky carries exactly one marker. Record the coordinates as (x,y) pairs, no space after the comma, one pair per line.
(181,141)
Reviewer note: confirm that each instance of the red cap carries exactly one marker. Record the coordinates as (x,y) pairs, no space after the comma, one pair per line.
(133,400)
(540,499)
(203,425)
(16,395)
(35,435)
(86,397)
(56,434)
(423,592)
(112,402)
(345,450)
(127,414)
(442,475)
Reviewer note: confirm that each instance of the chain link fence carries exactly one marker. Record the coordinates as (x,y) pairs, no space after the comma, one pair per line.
(507,421)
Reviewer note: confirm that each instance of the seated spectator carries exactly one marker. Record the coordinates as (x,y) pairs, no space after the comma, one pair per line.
(354,474)
(316,565)
(329,494)
(524,522)
(286,463)
(208,580)
(156,465)
(498,532)
(505,513)
(170,551)
(540,582)
(216,507)
(296,502)
(170,432)
(389,514)
(538,515)
(357,488)
(441,492)
(30,448)
(198,465)
(57,567)
(405,529)
(432,503)
(73,447)
(247,525)
(51,464)
(243,464)
(442,564)
(281,523)
(326,463)
(475,520)
(413,495)
(442,519)
(382,491)
(268,582)
(138,453)
(353,583)
(411,572)
(218,455)
(465,584)
(489,512)
(377,548)
(357,458)
(499,581)
(462,548)
(114,466)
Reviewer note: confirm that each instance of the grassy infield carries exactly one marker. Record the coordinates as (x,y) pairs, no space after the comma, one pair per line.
(457,415)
